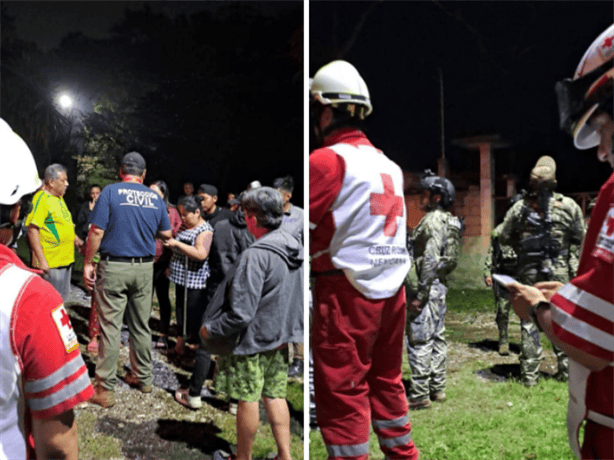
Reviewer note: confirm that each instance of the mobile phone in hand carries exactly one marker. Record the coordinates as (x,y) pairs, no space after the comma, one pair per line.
(503,280)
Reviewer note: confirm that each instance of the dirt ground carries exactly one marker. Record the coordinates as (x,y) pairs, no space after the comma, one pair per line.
(153,426)
(474,338)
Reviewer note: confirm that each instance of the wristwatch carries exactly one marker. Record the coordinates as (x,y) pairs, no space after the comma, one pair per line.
(533,312)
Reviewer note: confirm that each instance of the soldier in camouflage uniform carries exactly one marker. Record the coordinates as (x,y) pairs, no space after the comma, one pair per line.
(426,291)
(500,259)
(546,230)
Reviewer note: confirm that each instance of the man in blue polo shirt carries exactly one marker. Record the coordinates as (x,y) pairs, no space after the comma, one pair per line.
(124,225)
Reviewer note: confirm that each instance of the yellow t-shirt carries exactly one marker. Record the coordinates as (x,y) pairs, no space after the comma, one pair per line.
(57,232)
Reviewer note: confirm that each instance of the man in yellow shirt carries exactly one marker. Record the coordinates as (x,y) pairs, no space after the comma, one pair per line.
(51,232)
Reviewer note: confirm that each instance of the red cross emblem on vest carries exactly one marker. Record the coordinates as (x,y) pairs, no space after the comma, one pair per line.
(65,320)
(387,204)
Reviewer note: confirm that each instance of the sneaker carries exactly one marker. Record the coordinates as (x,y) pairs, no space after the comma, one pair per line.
(221,455)
(134,381)
(504,349)
(102,397)
(182,396)
(438,396)
(419,404)
(296,369)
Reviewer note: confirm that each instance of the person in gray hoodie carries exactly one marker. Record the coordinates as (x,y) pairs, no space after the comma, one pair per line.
(254,307)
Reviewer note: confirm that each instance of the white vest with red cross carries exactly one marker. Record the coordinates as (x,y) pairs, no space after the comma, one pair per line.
(12,439)
(369,243)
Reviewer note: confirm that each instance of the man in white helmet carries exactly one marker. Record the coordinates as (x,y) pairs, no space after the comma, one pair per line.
(43,376)
(359,261)
(579,316)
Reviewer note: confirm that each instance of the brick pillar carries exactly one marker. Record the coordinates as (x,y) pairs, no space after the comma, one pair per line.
(486,185)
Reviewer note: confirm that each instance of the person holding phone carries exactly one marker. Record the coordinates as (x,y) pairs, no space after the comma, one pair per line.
(579,316)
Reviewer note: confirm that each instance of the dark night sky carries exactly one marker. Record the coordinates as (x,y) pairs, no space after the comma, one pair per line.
(500,61)
(47,22)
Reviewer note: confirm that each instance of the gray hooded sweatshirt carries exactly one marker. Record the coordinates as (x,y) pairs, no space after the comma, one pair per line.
(264,296)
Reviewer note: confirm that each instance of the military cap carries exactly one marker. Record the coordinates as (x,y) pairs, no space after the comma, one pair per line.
(544,170)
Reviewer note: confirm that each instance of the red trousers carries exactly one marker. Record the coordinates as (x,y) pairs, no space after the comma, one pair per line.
(357,348)
(598,442)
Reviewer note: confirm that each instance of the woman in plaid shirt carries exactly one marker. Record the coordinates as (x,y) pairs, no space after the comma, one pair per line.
(189,269)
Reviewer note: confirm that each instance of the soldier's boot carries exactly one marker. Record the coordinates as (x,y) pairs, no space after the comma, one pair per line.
(504,346)
(438,396)
(419,404)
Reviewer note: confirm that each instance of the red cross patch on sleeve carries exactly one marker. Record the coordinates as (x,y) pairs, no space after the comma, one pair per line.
(67,333)
(604,249)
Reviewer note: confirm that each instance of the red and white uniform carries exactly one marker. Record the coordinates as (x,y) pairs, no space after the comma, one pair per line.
(359,261)
(584,318)
(40,360)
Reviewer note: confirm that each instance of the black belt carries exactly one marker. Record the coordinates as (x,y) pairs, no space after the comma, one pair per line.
(127,259)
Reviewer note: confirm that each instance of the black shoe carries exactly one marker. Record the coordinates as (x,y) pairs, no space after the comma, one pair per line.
(296,369)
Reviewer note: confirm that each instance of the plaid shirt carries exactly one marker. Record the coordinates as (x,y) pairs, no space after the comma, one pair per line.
(198,270)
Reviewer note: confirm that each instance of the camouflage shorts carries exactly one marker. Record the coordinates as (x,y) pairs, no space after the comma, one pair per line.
(248,378)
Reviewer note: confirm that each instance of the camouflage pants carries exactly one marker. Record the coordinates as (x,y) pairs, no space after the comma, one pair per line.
(502,318)
(531,352)
(426,346)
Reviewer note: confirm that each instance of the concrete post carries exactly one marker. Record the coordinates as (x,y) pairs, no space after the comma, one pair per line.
(486,185)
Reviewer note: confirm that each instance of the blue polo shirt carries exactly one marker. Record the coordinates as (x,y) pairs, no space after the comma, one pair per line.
(131,215)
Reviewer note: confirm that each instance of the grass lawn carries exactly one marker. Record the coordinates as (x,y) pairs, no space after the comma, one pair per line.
(483,418)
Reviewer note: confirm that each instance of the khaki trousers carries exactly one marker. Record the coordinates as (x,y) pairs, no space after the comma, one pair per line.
(124,287)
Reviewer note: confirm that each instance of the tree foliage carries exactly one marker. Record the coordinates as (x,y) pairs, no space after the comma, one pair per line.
(199,96)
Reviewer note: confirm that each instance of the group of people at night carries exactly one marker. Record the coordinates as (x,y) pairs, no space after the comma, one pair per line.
(368,285)
(238,276)
(135,242)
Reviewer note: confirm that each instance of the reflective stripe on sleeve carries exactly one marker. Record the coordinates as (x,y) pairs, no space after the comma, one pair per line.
(393,442)
(384,424)
(350,450)
(601,419)
(582,329)
(70,390)
(68,369)
(587,301)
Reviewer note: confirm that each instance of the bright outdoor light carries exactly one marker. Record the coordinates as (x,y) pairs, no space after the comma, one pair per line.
(65,101)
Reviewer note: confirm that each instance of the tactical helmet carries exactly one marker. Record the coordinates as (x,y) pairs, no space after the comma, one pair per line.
(18,173)
(589,90)
(438,186)
(339,85)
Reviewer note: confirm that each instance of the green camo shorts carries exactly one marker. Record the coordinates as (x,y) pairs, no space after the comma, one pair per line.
(248,378)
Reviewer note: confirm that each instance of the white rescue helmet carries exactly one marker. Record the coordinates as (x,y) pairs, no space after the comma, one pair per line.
(590,88)
(18,173)
(339,83)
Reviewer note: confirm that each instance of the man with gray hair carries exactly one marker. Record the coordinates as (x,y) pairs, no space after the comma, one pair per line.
(254,309)
(51,231)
